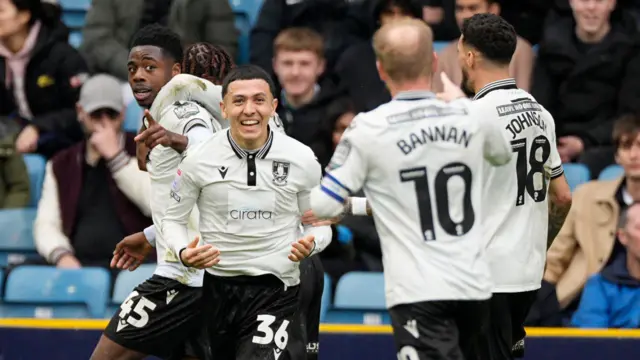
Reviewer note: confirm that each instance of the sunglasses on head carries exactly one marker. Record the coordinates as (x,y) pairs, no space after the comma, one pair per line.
(100,113)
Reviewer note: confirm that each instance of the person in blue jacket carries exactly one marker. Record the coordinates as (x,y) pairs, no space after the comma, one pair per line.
(611,299)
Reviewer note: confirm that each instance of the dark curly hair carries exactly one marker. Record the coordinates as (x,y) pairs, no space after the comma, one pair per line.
(207,61)
(161,37)
(491,35)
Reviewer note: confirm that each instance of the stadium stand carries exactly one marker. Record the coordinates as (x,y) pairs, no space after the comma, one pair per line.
(577,174)
(124,284)
(47,292)
(326,298)
(611,172)
(73,14)
(16,241)
(132,118)
(359,299)
(36,166)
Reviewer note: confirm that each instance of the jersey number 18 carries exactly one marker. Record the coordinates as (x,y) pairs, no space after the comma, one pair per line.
(526,174)
(421,184)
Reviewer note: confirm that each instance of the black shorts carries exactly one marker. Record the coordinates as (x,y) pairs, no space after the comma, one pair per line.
(158,318)
(305,344)
(249,317)
(505,328)
(438,330)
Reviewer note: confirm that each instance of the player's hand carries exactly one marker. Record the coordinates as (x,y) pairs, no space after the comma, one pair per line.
(200,257)
(450,91)
(302,249)
(130,252)
(154,134)
(309,218)
(68,261)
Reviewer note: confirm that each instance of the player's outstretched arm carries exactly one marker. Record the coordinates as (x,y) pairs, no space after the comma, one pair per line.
(131,251)
(559,206)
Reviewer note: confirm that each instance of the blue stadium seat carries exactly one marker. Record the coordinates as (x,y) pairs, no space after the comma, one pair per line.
(611,172)
(124,284)
(127,280)
(439,45)
(75,39)
(251,8)
(133,118)
(576,174)
(246,13)
(1,284)
(359,298)
(73,20)
(326,297)
(47,292)
(16,239)
(36,166)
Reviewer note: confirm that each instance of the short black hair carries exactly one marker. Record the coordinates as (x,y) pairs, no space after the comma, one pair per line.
(409,7)
(247,72)
(207,61)
(491,35)
(162,37)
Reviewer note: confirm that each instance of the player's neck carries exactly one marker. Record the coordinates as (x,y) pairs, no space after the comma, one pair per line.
(487,77)
(633,188)
(250,144)
(417,85)
(633,266)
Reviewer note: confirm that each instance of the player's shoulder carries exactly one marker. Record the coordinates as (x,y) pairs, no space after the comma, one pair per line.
(211,145)
(284,145)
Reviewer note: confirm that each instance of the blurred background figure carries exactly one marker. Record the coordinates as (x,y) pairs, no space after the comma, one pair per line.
(110,24)
(94,194)
(521,63)
(40,77)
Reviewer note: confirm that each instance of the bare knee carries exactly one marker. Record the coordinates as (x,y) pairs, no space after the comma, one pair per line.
(110,350)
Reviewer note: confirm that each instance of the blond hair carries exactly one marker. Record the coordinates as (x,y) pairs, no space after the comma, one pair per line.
(299,39)
(404,49)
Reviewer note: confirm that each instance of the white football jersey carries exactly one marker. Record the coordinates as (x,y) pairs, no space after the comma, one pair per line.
(420,163)
(516,217)
(250,203)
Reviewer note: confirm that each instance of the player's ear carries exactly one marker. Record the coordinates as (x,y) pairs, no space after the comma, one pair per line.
(381,72)
(223,110)
(176,69)
(274,103)
(434,64)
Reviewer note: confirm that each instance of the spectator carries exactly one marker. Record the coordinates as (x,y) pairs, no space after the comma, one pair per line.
(360,230)
(587,74)
(356,68)
(40,74)
(298,63)
(110,24)
(14,178)
(93,193)
(611,299)
(327,17)
(521,63)
(587,243)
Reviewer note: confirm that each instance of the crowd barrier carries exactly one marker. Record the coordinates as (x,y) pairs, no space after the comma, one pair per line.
(31,339)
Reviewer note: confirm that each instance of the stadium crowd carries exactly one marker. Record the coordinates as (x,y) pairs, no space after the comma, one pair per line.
(579,58)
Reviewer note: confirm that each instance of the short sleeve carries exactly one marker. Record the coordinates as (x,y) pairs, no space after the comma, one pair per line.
(555,163)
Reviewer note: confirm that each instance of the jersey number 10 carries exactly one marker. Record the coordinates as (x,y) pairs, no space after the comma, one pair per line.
(421,183)
(524,174)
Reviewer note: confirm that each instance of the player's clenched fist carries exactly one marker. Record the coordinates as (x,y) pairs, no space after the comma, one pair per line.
(303,248)
(199,257)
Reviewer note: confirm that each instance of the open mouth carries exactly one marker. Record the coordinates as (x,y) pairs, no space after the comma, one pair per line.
(249,122)
(142,94)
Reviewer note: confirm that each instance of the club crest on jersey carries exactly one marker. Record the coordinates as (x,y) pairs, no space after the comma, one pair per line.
(185,109)
(280,171)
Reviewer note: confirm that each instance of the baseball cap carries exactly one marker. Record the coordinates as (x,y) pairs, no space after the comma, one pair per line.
(101,92)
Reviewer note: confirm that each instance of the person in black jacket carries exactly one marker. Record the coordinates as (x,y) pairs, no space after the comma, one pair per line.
(298,63)
(356,68)
(587,74)
(40,76)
